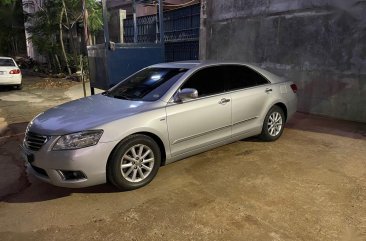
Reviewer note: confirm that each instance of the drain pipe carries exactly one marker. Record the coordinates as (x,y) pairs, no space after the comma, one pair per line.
(134,22)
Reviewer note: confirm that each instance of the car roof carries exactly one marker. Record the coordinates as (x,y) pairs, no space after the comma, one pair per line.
(197,64)
(179,64)
(5,57)
(189,64)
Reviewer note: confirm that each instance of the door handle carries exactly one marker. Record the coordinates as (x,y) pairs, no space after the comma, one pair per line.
(224,101)
(268,90)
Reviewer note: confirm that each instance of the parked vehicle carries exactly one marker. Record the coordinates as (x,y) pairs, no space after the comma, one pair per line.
(159,115)
(10,73)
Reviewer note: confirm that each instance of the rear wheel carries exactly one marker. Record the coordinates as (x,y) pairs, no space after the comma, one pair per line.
(273,124)
(19,87)
(134,163)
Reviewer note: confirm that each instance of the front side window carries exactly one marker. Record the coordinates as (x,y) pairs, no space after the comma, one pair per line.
(244,77)
(208,81)
(147,85)
(7,62)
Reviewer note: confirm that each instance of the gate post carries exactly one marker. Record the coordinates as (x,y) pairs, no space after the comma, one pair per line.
(161,22)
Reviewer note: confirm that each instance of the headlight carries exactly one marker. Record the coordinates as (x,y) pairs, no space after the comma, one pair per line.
(78,140)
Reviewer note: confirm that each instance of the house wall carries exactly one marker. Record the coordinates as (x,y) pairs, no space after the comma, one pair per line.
(320,45)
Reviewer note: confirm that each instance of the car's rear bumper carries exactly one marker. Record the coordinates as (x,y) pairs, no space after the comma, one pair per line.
(11,80)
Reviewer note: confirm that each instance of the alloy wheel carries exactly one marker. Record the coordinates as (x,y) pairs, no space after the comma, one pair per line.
(137,163)
(274,124)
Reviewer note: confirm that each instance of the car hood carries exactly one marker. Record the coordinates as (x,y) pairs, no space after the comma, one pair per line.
(86,113)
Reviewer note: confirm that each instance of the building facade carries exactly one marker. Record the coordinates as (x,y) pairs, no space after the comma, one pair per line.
(319,44)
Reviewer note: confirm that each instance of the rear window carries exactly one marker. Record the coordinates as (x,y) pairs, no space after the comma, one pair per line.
(7,62)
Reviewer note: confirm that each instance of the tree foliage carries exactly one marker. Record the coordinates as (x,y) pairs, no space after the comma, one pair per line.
(12,39)
(56,28)
(7,2)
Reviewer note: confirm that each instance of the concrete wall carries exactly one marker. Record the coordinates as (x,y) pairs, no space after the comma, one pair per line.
(320,45)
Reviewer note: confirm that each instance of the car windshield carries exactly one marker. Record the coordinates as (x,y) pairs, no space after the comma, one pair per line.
(147,85)
(6,62)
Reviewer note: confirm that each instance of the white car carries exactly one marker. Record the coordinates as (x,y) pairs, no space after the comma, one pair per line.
(10,73)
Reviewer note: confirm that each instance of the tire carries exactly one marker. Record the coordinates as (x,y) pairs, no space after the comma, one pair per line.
(273,124)
(19,87)
(140,166)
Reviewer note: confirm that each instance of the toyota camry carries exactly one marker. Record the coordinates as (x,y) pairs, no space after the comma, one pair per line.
(161,114)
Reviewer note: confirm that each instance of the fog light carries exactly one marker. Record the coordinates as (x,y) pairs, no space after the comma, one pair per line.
(71,175)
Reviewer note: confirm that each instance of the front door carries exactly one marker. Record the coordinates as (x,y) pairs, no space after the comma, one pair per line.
(200,122)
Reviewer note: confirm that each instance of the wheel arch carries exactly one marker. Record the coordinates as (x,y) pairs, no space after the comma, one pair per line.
(159,142)
(283,107)
(156,138)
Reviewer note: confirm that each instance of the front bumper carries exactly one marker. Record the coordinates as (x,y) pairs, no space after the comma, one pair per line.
(48,165)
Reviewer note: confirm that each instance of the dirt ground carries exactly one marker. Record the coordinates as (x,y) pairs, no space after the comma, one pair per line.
(308,185)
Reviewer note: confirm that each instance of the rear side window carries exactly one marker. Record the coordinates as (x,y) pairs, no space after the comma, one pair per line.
(7,62)
(208,81)
(243,77)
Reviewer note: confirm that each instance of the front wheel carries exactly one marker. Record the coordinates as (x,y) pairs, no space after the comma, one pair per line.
(134,163)
(273,124)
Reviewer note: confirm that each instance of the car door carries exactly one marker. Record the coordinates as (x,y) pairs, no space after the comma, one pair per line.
(197,123)
(250,93)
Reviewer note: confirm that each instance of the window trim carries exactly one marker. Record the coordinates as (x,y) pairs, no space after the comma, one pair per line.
(199,98)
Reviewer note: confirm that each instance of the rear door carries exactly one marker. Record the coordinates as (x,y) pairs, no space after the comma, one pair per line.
(250,93)
(206,120)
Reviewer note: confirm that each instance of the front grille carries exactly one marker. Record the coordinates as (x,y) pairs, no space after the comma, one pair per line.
(34,141)
(39,170)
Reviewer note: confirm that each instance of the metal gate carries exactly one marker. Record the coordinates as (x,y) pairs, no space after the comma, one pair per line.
(181,35)
(139,44)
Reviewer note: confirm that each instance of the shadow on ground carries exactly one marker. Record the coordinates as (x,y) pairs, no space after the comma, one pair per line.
(39,192)
(318,124)
(8,88)
(325,125)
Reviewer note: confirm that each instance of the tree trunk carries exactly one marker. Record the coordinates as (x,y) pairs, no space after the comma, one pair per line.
(62,41)
(74,44)
(70,35)
(90,39)
(87,35)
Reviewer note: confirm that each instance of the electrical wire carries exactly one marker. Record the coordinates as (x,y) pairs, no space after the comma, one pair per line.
(171,4)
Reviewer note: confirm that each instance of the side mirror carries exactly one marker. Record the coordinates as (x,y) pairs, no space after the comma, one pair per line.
(186,94)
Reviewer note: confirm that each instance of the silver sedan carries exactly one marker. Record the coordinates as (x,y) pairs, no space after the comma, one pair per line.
(159,115)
